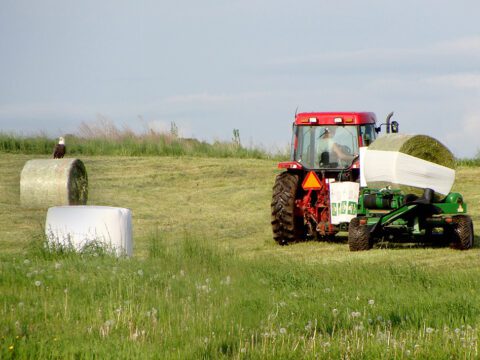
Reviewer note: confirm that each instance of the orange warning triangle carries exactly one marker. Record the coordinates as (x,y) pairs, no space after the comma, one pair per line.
(311,182)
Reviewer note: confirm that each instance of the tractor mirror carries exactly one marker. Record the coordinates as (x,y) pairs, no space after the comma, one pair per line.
(394,127)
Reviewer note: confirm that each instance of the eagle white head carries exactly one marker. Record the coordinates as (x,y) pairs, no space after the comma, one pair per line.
(61,140)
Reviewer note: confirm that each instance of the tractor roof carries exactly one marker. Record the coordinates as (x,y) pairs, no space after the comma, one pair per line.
(335,118)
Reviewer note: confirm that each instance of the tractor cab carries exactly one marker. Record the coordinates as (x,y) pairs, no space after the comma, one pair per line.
(326,146)
(330,141)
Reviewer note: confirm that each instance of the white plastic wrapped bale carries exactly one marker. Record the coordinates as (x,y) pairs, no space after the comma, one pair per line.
(408,162)
(82,226)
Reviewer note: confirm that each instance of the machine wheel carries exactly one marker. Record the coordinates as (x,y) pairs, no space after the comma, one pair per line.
(409,198)
(286,226)
(462,232)
(358,236)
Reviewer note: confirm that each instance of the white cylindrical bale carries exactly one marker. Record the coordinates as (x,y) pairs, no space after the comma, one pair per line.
(78,227)
(53,182)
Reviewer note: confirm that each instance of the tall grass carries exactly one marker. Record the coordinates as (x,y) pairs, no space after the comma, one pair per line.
(104,138)
(474,162)
(191,299)
(40,144)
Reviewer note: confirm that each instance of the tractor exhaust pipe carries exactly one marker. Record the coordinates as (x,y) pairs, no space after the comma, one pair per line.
(389,116)
(391,126)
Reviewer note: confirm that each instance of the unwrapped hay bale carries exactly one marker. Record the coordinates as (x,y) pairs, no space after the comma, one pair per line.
(51,182)
(410,163)
(420,146)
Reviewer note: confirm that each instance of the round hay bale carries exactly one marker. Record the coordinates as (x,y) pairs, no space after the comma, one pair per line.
(410,163)
(420,146)
(53,182)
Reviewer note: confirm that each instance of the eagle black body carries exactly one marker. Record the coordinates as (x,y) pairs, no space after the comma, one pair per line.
(59,151)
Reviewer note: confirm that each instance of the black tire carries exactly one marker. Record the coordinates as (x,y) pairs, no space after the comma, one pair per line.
(409,198)
(359,238)
(286,226)
(461,232)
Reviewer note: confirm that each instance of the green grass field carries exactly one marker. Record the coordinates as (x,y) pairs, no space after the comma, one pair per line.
(207,280)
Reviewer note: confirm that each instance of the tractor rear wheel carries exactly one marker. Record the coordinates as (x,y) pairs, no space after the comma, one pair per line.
(462,232)
(286,226)
(358,236)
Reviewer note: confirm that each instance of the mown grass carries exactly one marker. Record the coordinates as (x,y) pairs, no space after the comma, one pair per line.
(207,280)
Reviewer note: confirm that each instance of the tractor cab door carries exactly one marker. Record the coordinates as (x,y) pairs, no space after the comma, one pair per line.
(367,134)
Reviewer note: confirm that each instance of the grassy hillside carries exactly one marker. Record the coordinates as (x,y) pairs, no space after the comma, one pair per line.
(112,141)
(207,280)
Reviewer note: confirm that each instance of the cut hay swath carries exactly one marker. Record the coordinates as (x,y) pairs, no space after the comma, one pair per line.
(53,182)
(410,163)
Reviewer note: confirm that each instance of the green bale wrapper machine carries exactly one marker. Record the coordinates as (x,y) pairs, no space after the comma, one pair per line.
(388,214)
(405,195)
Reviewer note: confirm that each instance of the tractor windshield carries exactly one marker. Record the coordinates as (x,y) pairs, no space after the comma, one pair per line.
(320,147)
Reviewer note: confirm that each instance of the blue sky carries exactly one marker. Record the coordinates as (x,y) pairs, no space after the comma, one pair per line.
(212,66)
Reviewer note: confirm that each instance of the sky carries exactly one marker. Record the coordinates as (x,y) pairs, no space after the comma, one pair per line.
(212,66)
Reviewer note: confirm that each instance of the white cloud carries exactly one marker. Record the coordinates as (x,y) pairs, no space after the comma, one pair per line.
(159,126)
(463,135)
(163,126)
(461,53)
(464,45)
(207,98)
(462,81)
(25,110)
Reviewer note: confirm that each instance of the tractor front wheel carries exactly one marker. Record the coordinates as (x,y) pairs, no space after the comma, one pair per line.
(286,226)
(358,236)
(462,232)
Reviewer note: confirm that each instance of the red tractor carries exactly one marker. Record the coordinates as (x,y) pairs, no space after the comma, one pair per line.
(325,149)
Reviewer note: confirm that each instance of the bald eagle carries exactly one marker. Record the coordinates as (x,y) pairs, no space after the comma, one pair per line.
(59,150)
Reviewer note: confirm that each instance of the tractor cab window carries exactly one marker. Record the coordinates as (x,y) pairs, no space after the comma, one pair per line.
(368,134)
(326,147)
